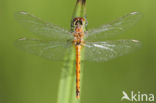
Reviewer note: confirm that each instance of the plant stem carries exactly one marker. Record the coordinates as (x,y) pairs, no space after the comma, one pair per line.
(66,80)
(80,9)
(67,85)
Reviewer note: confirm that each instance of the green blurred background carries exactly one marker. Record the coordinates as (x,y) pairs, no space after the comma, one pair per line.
(25,78)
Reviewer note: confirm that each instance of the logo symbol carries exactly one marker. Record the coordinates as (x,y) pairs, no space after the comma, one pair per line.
(125,96)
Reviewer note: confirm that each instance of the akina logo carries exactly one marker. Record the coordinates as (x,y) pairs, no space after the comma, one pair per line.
(137,97)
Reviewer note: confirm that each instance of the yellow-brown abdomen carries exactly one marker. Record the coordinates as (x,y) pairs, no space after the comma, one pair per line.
(78,50)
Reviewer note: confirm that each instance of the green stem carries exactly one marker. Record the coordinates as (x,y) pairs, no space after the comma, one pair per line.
(66,80)
(67,85)
(80,9)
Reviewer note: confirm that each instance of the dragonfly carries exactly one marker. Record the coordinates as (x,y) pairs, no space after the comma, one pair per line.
(55,42)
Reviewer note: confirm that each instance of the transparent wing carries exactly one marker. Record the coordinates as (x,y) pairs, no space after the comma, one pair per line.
(114,28)
(41,28)
(47,49)
(103,51)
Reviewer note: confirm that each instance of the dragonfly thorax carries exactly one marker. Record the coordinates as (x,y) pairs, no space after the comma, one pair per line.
(78,36)
(78,30)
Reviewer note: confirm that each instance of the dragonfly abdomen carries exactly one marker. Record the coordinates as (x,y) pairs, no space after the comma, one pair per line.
(78,55)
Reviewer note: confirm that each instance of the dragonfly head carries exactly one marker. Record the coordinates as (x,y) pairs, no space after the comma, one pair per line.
(79,22)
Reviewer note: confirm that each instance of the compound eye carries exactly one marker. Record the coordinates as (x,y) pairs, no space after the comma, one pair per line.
(83,19)
(75,19)
(80,22)
(76,22)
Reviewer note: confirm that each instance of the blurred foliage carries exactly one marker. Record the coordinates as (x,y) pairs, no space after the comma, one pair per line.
(25,78)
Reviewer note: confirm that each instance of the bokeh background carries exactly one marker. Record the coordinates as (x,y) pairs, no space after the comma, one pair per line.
(25,78)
